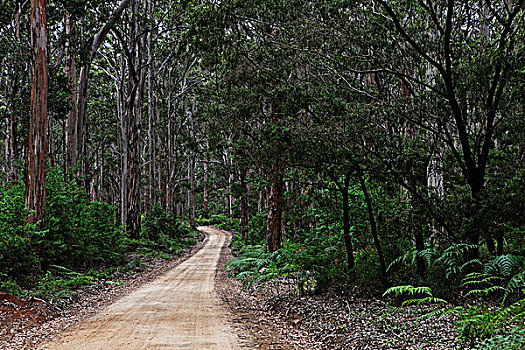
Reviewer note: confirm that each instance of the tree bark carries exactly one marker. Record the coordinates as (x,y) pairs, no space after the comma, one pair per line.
(191,192)
(151,112)
(243,222)
(346,225)
(36,174)
(205,199)
(71,73)
(133,116)
(77,118)
(273,230)
(274,223)
(14,111)
(373,229)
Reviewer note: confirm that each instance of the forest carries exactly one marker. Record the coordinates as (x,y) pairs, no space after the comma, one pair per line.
(367,145)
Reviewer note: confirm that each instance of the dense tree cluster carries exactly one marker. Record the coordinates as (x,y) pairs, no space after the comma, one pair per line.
(372,135)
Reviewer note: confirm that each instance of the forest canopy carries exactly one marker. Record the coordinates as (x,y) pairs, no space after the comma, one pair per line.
(373,143)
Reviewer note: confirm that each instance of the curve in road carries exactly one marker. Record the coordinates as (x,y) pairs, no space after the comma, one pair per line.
(178,310)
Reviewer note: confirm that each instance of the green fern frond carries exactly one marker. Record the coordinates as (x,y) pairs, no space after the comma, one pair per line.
(515,285)
(407,289)
(428,300)
(476,278)
(485,292)
(409,258)
(406,259)
(505,264)
(428,255)
(514,312)
(471,263)
(452,257)
(441,313)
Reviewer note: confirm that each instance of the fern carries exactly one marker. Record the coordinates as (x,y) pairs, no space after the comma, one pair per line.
(483,284)
(452,257)
(409,258)
(411,290)
(505,265)
(514,340)
(512,269)
(513,313)
(515,285)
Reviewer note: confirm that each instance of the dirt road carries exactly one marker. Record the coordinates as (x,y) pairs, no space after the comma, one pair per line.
(178,310)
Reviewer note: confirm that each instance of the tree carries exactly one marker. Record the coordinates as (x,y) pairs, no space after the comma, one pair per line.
(77,117)
(36,172)
(469,116)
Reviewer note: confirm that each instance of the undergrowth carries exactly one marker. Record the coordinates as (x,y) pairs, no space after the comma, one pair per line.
(79,243)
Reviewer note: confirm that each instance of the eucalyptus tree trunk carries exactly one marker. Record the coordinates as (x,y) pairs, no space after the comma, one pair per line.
(10,142)
(205,196)
(191,191)
(274,220)
(77,118)
(133,116)
(151,112)
(13,109)
(71,73)
(243,221)
(121,105)
(36,173)
(191,166)
(160,165)
(260,194)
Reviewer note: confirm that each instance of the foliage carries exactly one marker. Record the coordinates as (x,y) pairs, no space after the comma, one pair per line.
(77,234)
(424,292)
(314,265)
(512,340)
(473,322)
(256,267)
(59,283)
(158,224)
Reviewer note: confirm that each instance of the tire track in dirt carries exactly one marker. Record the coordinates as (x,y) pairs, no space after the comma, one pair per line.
(178,310)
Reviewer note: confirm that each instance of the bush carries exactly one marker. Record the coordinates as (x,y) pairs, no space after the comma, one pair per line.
(158,224)
(78,232)
(75,233)
(18,256)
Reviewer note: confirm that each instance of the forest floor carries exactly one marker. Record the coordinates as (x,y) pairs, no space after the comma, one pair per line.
(278,318)
(266,318)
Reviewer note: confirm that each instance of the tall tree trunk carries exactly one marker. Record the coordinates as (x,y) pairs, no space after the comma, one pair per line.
(160,165)
(205,196)
(11,144)
(135,81)
(36,173)
(243,222)
(191,192)
(51,149)
(77,118)
(274,222)
(373,229)
(151,112)
(346,224)
(71,73)
(122,108)
(191,202)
